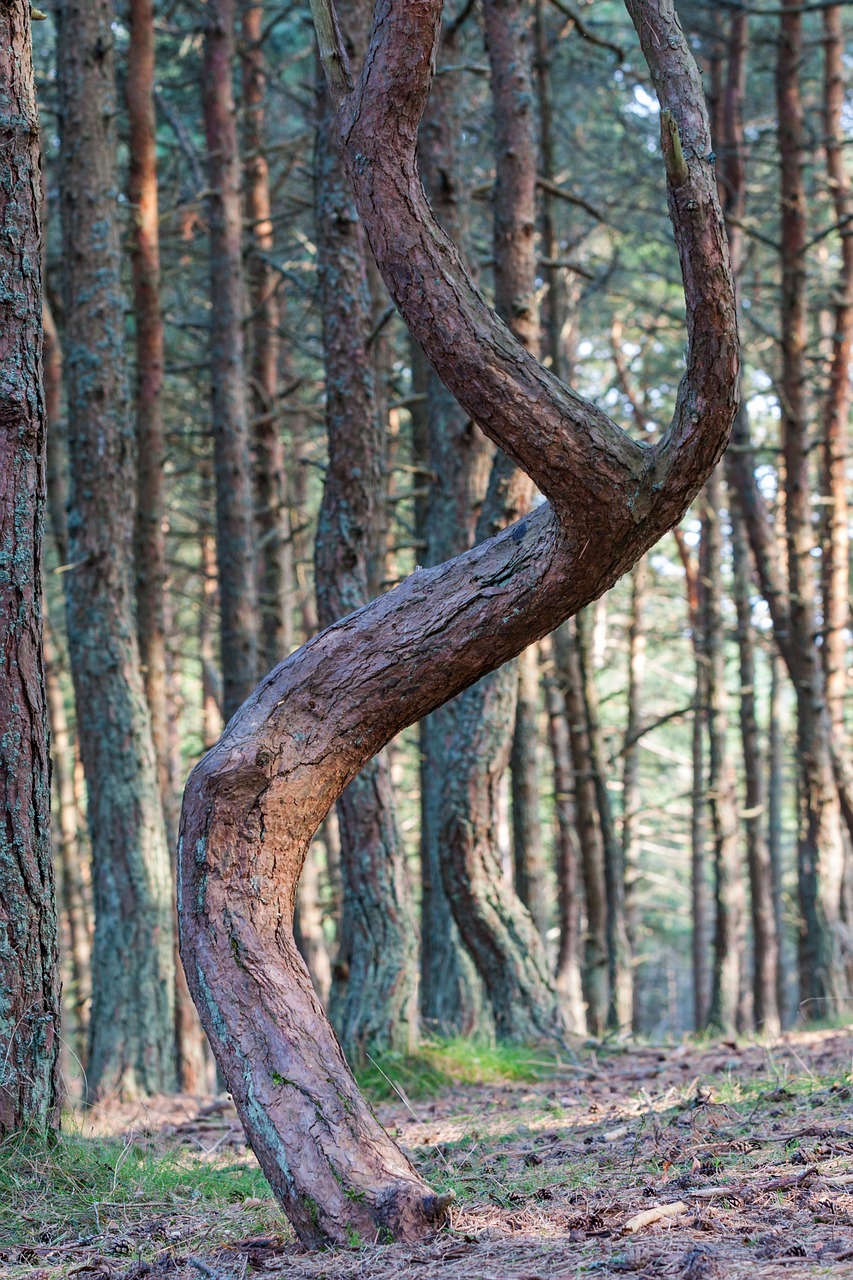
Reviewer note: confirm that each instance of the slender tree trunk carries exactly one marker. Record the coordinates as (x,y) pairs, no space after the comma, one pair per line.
(531,872)
(620,973)
(775,795)
(821,851)
(566,858)
(727,1011)
(595,966)
(631,797)
(235,543)
(374,990)
(457,458)
(698,886)
(133,968)
(765,979)
(253,804)
(835,560)
(150,535)
(272,525)
(29,969)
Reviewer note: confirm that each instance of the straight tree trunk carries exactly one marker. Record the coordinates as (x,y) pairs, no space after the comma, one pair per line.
(631,795)
(820,844)
(775,794)
(587,818)
(29,969)
(698,887)
(272,524)
(132,1047)
(531,872)
(727,1011)
(620,972)
(150,535)
(253,803)
(235,541)
(374,988)
(567,977)
(765,976)
(835,558)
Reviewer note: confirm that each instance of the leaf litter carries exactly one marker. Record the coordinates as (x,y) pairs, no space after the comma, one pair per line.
(696,1162)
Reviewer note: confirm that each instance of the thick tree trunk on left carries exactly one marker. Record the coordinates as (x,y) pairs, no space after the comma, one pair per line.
(254,802)
(374,981)
(133,965)
(29,970)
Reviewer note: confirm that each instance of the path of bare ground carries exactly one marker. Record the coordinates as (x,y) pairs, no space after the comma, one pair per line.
(692,1163)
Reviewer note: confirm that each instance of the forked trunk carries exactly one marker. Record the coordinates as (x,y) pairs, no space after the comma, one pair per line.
(254,802)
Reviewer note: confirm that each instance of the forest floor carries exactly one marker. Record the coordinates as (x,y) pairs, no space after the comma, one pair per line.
(694,1162)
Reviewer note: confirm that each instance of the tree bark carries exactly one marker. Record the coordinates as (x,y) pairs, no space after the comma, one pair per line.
(272,524)
(235,542)
(567,977)
(457,458)
(253,803)
(727,1011)
(374,987)
(765,977)
(595,972)
(821,851)
(495,926)
(620,973)
(631,797)
(29,970)
(835,559)
(531,872)
(133,967)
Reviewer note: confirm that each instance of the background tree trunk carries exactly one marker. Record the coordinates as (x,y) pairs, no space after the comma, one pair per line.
(132,1047)
(235,542)
(374,987)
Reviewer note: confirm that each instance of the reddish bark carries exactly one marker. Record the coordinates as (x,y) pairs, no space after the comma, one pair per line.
(235,544)
(254,802)
(274,548)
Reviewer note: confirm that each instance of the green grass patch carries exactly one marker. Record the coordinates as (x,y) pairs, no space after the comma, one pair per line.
(102,1188)
(442,1063)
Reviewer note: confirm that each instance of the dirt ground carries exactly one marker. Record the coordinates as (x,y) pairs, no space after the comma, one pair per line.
(739,1158)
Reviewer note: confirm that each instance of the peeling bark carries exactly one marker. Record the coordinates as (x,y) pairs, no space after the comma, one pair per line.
(254,802)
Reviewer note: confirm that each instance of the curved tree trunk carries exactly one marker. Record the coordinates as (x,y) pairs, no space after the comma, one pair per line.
(133,960)
(374,987)
(254,802)
(29,970)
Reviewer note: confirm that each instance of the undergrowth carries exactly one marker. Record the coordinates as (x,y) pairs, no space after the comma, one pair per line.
(440,1064)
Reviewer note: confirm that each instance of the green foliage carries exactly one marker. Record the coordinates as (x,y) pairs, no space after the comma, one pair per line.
(441,1063)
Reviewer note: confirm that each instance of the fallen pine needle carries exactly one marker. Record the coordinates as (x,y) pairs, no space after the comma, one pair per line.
(658,1214)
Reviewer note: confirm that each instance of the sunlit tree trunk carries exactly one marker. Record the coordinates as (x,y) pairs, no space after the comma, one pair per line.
(531,872)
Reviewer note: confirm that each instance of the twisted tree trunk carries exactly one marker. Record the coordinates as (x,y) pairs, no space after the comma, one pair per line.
(253,803)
